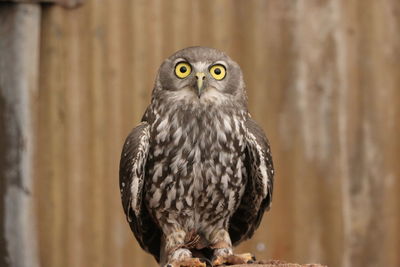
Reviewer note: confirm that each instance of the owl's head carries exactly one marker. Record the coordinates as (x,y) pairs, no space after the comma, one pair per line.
(201,74)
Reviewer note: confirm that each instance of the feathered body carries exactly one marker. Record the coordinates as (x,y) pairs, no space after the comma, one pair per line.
(197,165)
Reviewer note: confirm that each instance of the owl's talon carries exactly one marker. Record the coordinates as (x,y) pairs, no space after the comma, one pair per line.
(206,261)
(233,259)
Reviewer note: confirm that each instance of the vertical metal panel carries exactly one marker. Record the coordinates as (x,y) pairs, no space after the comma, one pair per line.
(323,80)
(19,47)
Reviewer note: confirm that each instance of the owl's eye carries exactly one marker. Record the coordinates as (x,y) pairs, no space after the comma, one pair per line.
(182,70)
(218,71)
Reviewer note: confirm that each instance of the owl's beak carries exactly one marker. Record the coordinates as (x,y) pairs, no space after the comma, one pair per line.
(200,82)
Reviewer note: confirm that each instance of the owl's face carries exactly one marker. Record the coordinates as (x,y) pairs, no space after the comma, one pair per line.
(201,74)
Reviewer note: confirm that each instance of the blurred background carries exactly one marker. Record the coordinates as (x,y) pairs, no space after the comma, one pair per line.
(323,81)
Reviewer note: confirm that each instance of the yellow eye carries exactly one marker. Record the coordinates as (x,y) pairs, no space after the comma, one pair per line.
(218,71)
(182,70)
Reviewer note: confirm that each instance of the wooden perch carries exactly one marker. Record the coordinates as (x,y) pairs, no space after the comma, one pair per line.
(279,265)
(276,263)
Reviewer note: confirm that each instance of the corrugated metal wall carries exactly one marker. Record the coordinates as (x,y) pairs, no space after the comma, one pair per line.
(323,80)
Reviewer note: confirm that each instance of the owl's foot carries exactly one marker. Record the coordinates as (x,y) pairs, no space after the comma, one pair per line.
(187,262)
(233,259)
(223,252)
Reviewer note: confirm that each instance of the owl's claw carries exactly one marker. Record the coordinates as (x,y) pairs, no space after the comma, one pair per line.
(207,262)
(187,262)
(233,259)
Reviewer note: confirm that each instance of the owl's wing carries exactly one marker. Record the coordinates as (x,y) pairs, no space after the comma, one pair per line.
(258,192)
(131,181)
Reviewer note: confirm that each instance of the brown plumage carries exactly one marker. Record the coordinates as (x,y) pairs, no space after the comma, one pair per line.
(196,174)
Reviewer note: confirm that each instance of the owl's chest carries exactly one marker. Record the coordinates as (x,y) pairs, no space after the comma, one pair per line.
(197,161)
(182,144)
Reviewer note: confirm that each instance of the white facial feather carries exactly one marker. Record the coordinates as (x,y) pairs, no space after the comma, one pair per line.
(213,96)
(200,66)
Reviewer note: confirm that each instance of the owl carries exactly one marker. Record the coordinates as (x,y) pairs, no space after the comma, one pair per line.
(196,175)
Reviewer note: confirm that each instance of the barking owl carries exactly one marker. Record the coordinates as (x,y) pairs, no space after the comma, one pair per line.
(196,174)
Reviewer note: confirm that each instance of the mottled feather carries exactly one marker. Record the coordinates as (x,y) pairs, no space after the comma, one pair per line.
(258,194)
(132,174)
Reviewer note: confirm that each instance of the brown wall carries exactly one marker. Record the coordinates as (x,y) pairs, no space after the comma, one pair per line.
(323,79)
